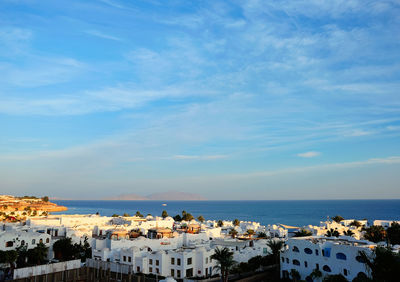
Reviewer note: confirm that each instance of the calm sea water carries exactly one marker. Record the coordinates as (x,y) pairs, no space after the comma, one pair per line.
(297,213)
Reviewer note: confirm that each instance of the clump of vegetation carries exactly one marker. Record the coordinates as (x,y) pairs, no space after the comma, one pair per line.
(138,214)
(64,249)
(164,214)
(200,218)
(236,222)
(355,223)
(337,218)
(302,233)
(115,215)
(126,215)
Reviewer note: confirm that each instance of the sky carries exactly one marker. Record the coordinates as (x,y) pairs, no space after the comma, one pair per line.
(228,99)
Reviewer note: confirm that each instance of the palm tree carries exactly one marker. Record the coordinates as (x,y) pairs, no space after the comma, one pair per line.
(201,219)
(40,252)
(236,222)
(348,233)
(383,264)
(316,274)
(233,232)
(225,262)
(220,223)
(302,233)
(375,233)
(276,247)
(295,275)
(332,233)
(337,218)
(250,232)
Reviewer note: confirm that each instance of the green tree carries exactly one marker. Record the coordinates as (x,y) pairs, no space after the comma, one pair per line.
(348,233)
(337,218)
(225,262)
(115,215)
(177,217)
(236,222)
(250,232)
(393,233)
(138,214)
(295,275)
(261,235)
(164,214)
(220,223)
(38,254)
(302,233)
(233,232)
(276,247)
(375,233)
(383,264)
(201,219)
(126,215)
(8,256)
(187,217)
(316,274)
(355,223)
(332,233)
(64,249)
(45,199)
(255,262)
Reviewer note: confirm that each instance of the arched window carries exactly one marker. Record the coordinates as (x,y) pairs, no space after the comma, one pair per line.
(295,249)
(341,256)
(296,262)
(308,251)
(41,241)
(326,268)
(33,241)
(9,244)
(47,240)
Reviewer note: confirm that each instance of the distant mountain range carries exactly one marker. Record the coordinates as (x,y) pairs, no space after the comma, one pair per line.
(165,196)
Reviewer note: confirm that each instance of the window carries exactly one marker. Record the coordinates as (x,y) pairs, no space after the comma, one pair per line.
(138,269)
(317,266)
(287,260)
(22,242)
(345,272)
(305,264)
(157,270)
(150,261)
(296,262)
(189,261)
(341,256)
(308,251)
(210,259)
(124,258)
(178,273)
(150,269)
(283,259)
(326,268)
(207,260)
(41,241)
(295,249)
(157,262)
(33,241)
(47,240)
(172,260)
(178,262)
(172,272)
(189,272)
(9,244)
(129,259)
(316,253)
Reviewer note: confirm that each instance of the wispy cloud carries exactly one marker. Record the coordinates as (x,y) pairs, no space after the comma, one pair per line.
(102,35)
(311,154)
(193,157)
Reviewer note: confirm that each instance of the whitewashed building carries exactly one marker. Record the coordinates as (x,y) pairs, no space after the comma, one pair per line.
(329,255)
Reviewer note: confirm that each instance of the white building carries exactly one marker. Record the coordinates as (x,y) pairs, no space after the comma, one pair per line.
(329,255)
(10,240)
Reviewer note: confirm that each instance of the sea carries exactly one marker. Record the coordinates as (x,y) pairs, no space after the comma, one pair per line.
(294,213)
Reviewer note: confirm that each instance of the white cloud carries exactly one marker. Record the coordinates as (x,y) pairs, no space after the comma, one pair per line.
(310,154)
(102,35)
(193,157)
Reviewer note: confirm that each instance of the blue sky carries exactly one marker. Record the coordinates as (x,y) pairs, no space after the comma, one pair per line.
(229,99)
